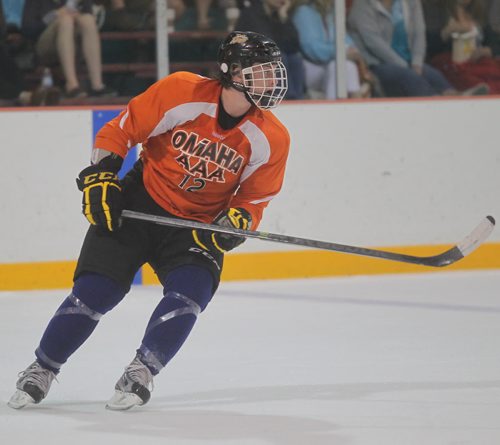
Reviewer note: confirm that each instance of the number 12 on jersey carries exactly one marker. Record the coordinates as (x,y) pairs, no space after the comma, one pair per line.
(196,183)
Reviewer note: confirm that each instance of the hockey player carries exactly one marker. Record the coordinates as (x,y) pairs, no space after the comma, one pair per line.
(212,152)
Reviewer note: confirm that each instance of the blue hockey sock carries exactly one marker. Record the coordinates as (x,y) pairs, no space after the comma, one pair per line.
(93,295)
(187,292)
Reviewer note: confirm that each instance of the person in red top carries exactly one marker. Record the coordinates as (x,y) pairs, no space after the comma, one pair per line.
(212,152)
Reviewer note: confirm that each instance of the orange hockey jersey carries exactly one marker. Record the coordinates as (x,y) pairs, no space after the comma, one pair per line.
(192,167)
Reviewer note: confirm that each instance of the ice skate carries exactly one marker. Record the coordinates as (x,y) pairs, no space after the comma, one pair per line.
(32,386)
(133,388)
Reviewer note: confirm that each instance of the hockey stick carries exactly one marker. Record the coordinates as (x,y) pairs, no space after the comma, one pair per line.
(457,252)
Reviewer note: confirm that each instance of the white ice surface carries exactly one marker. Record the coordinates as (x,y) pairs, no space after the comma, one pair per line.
(402,360)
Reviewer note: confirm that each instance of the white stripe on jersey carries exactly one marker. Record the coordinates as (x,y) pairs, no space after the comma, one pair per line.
(259,145)
(181,114)
(123,119)
(258,201)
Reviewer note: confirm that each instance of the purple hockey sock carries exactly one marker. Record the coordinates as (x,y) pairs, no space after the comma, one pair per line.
(187,292)
(92,296)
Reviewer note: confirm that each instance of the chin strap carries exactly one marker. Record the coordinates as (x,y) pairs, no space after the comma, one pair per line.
(238,86)
(242,89)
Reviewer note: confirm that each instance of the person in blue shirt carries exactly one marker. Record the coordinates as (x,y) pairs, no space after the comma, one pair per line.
(13,12)
(13,49)
(315,22)
(10,79)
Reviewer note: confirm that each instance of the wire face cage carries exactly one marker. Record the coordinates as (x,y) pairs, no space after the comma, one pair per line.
(266,83)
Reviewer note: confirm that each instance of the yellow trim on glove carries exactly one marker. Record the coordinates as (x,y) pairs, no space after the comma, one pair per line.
(197,240)
(105,205)
(214,242)
(104,190)
(87,212)
(237,219)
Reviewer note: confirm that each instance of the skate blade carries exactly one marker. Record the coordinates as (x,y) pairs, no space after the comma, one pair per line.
(20,399)
(122,401)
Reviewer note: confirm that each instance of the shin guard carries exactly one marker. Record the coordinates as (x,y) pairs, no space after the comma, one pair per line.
(187,292)
(92,296)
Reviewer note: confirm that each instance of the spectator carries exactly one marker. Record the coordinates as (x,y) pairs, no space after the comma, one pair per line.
(10,80)
(270,18)
(492,30)
(18,46)
(315,22)
(204,21)
(135,15)
(465,65)
(202,10)
(53,25)
(127,15)
(434,18)
(391,36)
(13,13)
(12,85)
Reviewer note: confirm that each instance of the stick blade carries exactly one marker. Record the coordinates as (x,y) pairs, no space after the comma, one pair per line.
(470,243)
(477,236)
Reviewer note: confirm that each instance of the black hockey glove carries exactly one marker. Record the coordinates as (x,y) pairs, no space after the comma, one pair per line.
(102,193)
(236,218)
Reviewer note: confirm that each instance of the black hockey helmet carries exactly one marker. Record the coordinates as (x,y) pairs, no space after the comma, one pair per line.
(256,58)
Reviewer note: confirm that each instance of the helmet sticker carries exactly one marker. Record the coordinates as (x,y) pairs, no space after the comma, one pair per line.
(239,38)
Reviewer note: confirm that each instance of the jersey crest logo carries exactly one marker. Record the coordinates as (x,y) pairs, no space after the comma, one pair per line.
(206,159)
